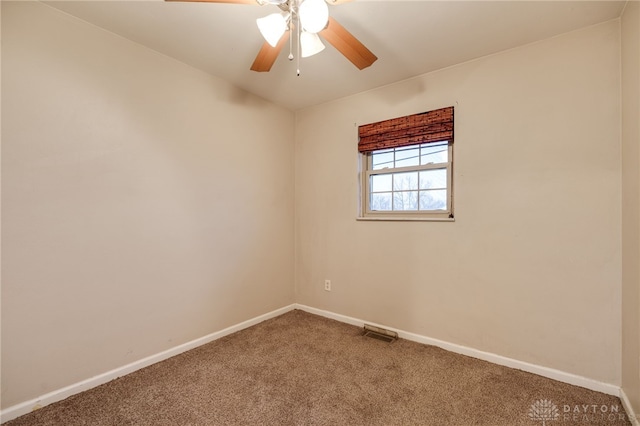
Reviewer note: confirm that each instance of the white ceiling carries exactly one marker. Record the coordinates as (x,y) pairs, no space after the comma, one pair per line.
(409,37)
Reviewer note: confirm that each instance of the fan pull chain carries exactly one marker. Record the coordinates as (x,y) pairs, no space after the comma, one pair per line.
(299,51)
(290,41)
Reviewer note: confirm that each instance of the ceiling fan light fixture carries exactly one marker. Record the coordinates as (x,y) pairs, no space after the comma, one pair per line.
(272,27)
(314,15)
(310,44)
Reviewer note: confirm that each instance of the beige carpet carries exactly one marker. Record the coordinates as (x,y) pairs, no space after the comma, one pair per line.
(302,369)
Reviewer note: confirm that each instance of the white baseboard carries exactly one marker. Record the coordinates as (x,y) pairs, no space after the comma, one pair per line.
(58,395)
(551,373)
(633,418)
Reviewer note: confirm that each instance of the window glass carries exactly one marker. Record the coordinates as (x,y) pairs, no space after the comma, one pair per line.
(406,157)
(412,180)
(433,200)
(433,153)
(382,159)
(405,181)
(433,179)
(381,183)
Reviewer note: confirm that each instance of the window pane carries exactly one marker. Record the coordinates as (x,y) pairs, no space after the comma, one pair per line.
(433,200)
(423,189)
(405,181)
(382,159)
(381,183)
(433,179)
(381,201)
(405,200)
(434,153)
(407,157)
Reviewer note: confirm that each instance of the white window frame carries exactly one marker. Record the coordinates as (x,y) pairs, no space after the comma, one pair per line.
(366,171)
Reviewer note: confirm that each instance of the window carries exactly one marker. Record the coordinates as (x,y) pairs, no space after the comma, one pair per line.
(407,167)
(415,178)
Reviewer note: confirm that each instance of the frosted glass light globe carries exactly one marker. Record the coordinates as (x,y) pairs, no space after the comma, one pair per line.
(314,15)
(272,27)
(310,44)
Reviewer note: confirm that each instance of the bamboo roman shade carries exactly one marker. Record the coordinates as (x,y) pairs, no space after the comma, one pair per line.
(427,127)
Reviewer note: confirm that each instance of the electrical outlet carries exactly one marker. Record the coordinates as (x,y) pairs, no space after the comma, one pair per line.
(327,285)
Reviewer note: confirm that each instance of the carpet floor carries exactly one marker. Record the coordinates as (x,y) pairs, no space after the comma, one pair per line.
(302,369)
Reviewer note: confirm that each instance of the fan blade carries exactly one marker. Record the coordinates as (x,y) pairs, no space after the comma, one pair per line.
(332,2)
(348,45)
(221,1)
(268,54)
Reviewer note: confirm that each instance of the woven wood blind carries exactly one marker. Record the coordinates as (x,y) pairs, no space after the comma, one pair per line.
(427,127)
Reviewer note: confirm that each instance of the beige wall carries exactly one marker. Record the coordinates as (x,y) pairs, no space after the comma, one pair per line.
(530,269)
(631,203)
(145,203)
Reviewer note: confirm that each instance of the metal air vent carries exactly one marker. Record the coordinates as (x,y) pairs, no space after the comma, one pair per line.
(379,333)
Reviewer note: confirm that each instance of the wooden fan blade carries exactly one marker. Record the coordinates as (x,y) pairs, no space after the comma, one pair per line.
(220,1)
(268,54)
(348,45)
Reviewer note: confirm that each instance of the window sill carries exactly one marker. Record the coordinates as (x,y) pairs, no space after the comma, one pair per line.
(404,219)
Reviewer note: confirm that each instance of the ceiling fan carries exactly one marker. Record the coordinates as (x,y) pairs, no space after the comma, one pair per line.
(306,19)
